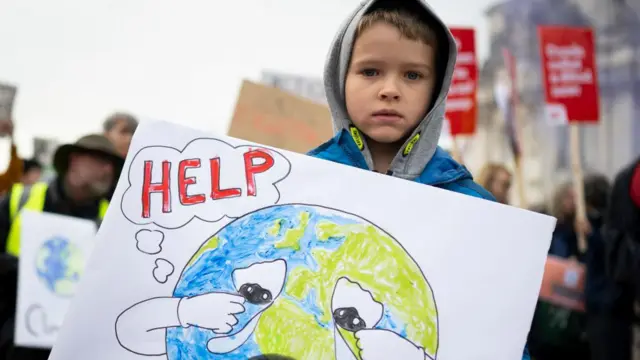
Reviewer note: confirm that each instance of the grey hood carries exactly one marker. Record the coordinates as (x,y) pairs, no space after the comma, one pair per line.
(423,141)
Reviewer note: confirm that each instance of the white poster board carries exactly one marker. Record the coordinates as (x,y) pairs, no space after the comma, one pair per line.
(218,248)
(53,252)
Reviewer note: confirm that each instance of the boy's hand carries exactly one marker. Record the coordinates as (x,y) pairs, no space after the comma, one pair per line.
(379,344)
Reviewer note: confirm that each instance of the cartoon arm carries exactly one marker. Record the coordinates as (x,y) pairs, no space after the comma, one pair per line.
(356,311)
(384,344)
(141,329)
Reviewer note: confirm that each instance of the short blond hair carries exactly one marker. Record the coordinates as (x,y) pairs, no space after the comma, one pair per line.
(409,25)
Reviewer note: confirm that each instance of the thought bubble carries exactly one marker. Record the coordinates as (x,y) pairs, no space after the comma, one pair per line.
(163,270)
(149,241)
(208,180)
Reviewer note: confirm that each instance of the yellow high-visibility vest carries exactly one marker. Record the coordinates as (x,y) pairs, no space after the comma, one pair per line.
(33,199)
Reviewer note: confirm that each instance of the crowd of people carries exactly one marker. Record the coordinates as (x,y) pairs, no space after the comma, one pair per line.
(86,173)
(605,329)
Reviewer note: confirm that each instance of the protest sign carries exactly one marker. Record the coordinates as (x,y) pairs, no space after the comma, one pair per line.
(53,253)
(569,74)
(7,98)
(276,118)
(462,104)
(571,93)
(563,283)
(214,247)
(507,99)
(43,151)
(307,87)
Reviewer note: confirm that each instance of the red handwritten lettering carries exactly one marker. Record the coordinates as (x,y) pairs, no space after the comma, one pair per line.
(184,182)
(216,192)
(149,188)
(251,168)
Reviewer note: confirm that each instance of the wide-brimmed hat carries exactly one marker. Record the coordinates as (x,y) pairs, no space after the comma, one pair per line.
(90,144)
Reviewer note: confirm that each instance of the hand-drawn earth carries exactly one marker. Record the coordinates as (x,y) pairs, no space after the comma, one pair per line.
(343,274)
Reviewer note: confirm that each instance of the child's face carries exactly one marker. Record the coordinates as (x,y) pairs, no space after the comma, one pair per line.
(389,84)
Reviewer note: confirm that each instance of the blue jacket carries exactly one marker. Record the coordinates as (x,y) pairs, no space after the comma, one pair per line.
(441,171)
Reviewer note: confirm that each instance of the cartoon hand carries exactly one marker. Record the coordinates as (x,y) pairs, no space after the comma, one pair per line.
(214,311)
(384,344)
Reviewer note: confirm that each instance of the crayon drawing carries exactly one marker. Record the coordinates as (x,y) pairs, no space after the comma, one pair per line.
(303,281)
(59,265)
(53,253)
(225,249)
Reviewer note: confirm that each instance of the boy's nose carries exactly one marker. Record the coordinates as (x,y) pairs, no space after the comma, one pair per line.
(389,90)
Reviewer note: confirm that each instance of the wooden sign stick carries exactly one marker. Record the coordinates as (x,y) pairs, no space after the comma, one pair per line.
(518,158)
(455,150)
(520,182)
(578,182)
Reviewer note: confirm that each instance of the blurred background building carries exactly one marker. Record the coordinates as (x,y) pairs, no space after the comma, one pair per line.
(606,147)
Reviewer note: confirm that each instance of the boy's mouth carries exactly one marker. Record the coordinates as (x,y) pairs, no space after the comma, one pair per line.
(387,115)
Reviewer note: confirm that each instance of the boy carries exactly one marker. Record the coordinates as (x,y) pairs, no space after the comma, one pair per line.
(386,79)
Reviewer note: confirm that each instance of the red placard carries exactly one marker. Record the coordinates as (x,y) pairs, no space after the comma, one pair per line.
(563,283)
(569,74)
(462,102)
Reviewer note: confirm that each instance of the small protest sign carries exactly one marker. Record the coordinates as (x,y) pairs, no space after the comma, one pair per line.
(307,87)
(7,98)
(274,117)
(43,151)
(563,283)
(215,247)
(53,252)
(570,75)
(570,78)
(462,103)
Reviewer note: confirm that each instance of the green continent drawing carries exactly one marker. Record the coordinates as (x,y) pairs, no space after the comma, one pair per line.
(343,275)
(59,265)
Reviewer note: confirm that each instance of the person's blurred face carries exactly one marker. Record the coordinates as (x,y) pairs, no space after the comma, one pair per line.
(500,186)
(120,135)
(92,173)
(32,176)
(6,127)
(568,202)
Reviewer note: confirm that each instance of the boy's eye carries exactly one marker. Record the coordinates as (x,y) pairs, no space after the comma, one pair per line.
(412,75)
(369,72)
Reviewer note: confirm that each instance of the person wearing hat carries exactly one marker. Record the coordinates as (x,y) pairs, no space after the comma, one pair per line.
(86,172)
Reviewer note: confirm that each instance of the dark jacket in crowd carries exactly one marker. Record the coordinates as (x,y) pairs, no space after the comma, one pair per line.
(609,302)
(622,230)
(55,202)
